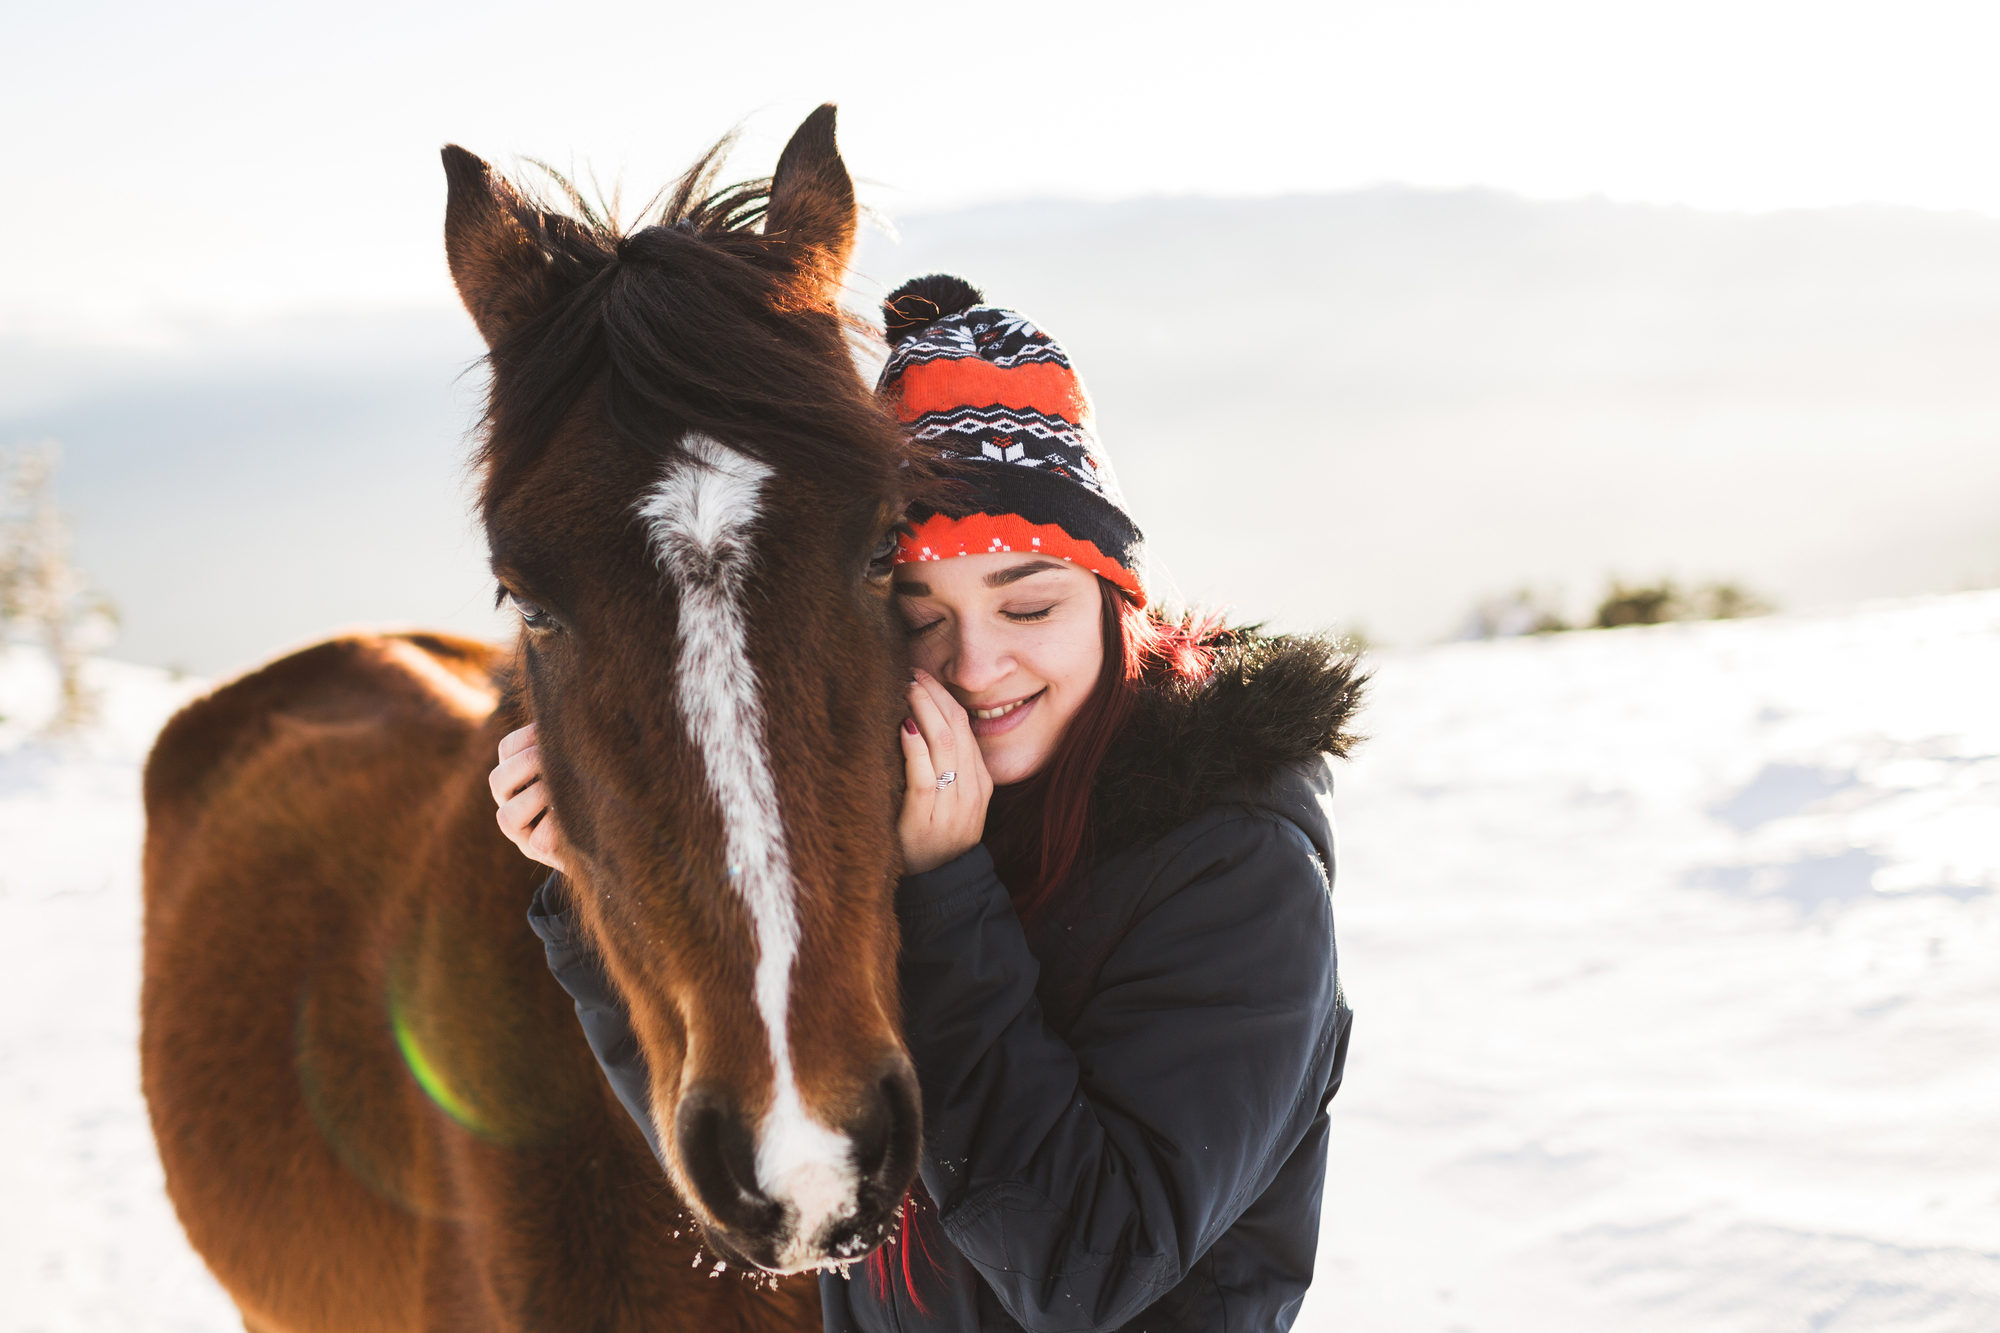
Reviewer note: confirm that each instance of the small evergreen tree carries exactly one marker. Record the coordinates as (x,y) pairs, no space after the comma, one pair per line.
(42,594)
(1658,603)
(1647,604)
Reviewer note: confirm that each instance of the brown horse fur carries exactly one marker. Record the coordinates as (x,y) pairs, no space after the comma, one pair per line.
(374,1106)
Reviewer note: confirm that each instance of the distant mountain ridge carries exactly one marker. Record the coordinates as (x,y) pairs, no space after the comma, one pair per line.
(1363,405)
(1372,406)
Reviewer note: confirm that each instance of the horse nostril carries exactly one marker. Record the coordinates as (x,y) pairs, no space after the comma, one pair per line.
(887,1137)
(718,1154)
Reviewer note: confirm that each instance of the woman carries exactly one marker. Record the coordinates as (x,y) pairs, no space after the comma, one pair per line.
(1121,996)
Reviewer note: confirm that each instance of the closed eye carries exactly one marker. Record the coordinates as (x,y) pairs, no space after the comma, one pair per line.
(1027,617)
(918,631)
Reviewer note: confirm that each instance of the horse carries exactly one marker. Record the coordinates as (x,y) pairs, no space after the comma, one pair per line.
(375,1108)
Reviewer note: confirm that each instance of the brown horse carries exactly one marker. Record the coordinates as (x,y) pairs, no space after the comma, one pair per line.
(375,1108)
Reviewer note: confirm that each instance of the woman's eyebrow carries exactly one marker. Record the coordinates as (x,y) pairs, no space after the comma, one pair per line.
(911,588)
(1000,578)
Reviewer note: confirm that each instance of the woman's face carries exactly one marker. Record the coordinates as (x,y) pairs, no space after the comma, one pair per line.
(1018,639)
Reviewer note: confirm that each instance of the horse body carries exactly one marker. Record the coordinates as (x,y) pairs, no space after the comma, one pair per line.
(373,1105)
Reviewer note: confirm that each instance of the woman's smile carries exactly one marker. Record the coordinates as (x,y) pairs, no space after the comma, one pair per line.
(1005,717)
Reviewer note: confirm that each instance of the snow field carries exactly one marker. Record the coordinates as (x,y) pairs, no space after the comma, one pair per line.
(1672,954)
(88,1240)
(1671,951)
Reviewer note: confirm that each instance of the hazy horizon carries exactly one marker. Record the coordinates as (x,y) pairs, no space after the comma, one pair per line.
(1365,408)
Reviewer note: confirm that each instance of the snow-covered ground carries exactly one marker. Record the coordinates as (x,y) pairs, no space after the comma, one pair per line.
(1672,950)
(1675,957)
(87,1238)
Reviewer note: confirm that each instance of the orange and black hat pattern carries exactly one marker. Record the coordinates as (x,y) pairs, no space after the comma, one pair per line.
(997,397)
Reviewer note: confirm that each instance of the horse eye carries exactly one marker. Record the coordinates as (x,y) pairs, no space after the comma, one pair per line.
(883,558)
(532,614)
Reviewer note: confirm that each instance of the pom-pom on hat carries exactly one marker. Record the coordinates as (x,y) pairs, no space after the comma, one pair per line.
(997,398)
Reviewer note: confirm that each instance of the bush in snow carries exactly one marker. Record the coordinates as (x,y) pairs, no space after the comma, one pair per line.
(1647,604)
(1529,611)
(1658,603)
(42,595)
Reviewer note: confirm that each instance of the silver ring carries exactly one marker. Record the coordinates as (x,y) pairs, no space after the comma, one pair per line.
(945,780)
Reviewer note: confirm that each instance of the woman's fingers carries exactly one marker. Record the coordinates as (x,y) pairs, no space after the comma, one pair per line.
(935,728)
(958,739)
(530,824)
(937,823)
(545,844)
(517,740)
(518,813)
(524,812)
(511,776)
(946,703)
(918,772)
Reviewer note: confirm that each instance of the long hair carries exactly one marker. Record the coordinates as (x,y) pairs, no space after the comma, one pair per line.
(1039,831)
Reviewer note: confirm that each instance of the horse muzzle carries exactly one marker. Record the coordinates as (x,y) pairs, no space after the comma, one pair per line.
(792,1194)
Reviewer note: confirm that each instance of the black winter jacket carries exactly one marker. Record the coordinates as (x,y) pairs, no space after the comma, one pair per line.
(1124,1103)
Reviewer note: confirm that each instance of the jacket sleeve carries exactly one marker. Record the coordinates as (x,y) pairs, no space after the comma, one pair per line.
(606,1026)
(1084,1176)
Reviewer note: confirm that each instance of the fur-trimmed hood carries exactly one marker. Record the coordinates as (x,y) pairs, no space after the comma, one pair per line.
(1267,703)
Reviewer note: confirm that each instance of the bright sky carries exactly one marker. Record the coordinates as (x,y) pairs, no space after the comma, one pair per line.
(230,159)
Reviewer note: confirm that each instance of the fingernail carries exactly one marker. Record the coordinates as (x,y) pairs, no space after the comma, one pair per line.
(910,725)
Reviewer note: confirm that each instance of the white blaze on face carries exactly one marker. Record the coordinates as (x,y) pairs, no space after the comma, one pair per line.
(700,516)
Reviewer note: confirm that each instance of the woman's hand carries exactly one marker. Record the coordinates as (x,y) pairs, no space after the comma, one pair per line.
(526,816)
(940,824)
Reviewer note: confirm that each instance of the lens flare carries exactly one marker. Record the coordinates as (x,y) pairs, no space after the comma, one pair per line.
(432,1079)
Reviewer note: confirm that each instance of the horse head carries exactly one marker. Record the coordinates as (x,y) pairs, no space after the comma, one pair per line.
(689,495)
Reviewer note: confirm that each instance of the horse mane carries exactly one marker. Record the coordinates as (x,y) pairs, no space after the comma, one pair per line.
(692,321)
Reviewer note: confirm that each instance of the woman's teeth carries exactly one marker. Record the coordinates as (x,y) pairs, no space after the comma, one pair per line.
(988,714)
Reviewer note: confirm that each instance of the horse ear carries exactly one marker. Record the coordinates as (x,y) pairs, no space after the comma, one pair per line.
(501,272)
(812,204)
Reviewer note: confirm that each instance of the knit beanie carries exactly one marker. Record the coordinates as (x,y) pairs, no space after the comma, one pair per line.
(998,400)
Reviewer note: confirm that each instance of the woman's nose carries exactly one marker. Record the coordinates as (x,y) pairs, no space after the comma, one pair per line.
(977,662)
